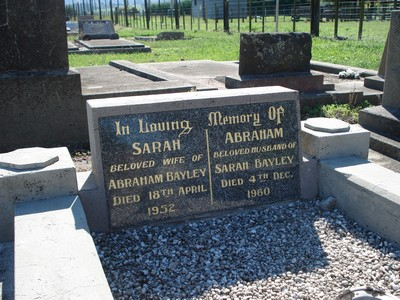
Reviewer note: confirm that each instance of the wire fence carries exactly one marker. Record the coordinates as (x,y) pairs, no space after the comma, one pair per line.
(233,15)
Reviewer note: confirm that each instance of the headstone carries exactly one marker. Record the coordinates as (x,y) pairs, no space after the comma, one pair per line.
(385,119)
(72,28)
(179,156)
(171,35)
(268,59)
(33,36)
(268,53)
(97,29)
(391,91)
(40,97)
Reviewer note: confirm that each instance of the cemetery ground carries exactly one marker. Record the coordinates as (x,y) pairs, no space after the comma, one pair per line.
(291,250)
(309,252)
(221,46)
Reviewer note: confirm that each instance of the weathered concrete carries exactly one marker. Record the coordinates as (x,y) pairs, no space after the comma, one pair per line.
(117,82)
(364,191)
(6,271)
(382,144)
(108,46)
(321,145)
(55,180)
(55,256)
(382,120)
(93,201)
(301,81)
(309,178)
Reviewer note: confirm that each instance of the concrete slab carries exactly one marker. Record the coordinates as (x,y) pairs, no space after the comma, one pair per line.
(366,192)
(153,74)
(107,81)
(207,74)
(109,44)
(6,271)
(301,81)
(382,120)
(322,145)
(383,160)
(374,82)
(336,68)
(55,256)
(388,147)
(55,180)
(198,69)
(72,47)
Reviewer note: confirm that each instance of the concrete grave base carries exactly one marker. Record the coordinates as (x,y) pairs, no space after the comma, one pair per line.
(108,45)
(40,109)
(322,145)
(366,192)
(374,82)
(55,256)
(301,81)
(55,180)
(381,119)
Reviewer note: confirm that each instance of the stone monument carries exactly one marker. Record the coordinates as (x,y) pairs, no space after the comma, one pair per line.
(99,36)
(40,96)
(268,59)
(385,119)
(97,29)
(164,158)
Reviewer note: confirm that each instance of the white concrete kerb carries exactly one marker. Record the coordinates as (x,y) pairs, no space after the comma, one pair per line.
(28,158)
(327,125)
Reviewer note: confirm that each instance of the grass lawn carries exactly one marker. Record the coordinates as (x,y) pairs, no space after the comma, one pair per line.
(221,46)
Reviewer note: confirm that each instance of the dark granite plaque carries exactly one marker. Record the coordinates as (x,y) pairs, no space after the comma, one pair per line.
(271,53)
(97,29)
(176,164)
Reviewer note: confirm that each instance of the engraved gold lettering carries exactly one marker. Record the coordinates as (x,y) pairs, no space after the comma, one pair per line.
(129,199)
(192,189)
(121,130)
(116,184)
(183,126)
(162,209)
(231,182)
(282,175)
(216,118)
(233,152)
(184,175)
(231,167)
(156,147)
(268,148)
(132,166)
(255,135)
(173,160)
(270,162)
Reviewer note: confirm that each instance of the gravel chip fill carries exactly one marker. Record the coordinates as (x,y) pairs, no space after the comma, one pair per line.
(286,251)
